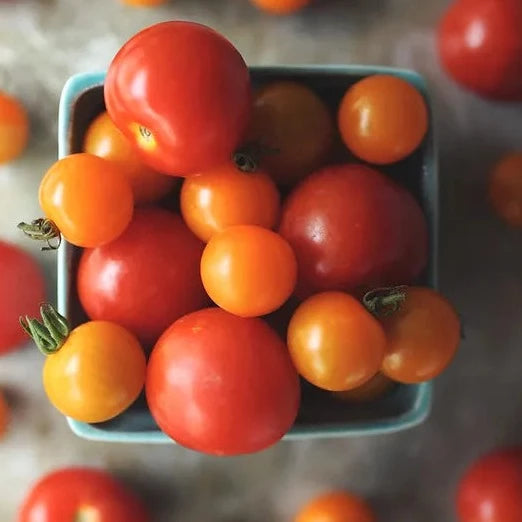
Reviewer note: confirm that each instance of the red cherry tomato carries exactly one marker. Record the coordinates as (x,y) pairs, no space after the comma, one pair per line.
(491,489)
(147,278)
(222,384)
(480,46)
(22,290)
(181,93)
(351,227)
(78,494)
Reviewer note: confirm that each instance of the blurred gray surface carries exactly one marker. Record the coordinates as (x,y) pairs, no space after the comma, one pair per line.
(409,477)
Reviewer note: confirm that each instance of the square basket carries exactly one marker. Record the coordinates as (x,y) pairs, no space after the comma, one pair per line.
(321,414)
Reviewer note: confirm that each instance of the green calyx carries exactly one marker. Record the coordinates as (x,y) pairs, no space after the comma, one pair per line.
(43,229)
(383,302)
(50,333)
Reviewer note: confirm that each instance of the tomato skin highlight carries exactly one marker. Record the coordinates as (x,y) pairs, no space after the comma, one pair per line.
(186,111)
(221,384)
(352,228)
(147,278)
(65,494)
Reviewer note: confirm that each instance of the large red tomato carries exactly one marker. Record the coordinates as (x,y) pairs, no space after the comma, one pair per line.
(491,489)
(147,278)
(222,384)
(21,292)
(480,45)
(352,228)
(181,93)
(74,494)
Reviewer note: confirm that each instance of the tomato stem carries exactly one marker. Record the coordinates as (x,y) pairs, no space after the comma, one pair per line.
(248,157)
(49,334)
(42,229)
(383,302)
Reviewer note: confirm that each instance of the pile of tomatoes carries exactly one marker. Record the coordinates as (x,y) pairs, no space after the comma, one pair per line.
(268,263)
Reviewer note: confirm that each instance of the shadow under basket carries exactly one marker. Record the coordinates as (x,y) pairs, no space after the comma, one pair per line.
(321,414)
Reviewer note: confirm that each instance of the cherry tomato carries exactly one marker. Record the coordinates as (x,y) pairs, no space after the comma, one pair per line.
(91,373)
(505,189)
(226,196)
(4,415)
(378,386)
(281,7)
(382,119)
(338,506)
(14,128)
(105,140)
(491,489)
(81,494)
(144,3)
(422,336)
(480,46)
(350,227)
(293,129)
(147,278)
(248,270)
(181,93)
(88,198)
(22,289)
(222,384)
(335,342)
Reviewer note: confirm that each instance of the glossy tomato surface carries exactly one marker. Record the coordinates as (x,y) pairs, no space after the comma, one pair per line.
(480,46)
(181,93)
(22,290)
(221,384)
(74,494)
(491,489)
(147,278)
(351,227)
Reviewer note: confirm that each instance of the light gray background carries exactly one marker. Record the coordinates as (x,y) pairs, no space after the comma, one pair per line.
(409,477)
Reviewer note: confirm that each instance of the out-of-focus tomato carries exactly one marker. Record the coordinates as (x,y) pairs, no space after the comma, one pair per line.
(88,198)
(292,128)
(91,373)
(375,388)
(423,335)
(281,7)
(335,342)
(147,278)
(22,289)
(248,270)
(222,384)
(505,189)
(14,128)
(144,3)
(105,140)
(81,494)
(338,506)
(480,46)
(382,119)
(4,415)
(181,93)
(352,227)
(226,196)
(491,489)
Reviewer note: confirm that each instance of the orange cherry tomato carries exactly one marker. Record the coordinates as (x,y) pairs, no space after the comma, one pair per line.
(248,270)
(4,415)
(281,7)
(144,3)
(88,198)
(382,119)
(14,128)
(335,343)
(505,189)
(105,140)
(371,390)
(422,336)
(226,196)
(293,129)
(337,506)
